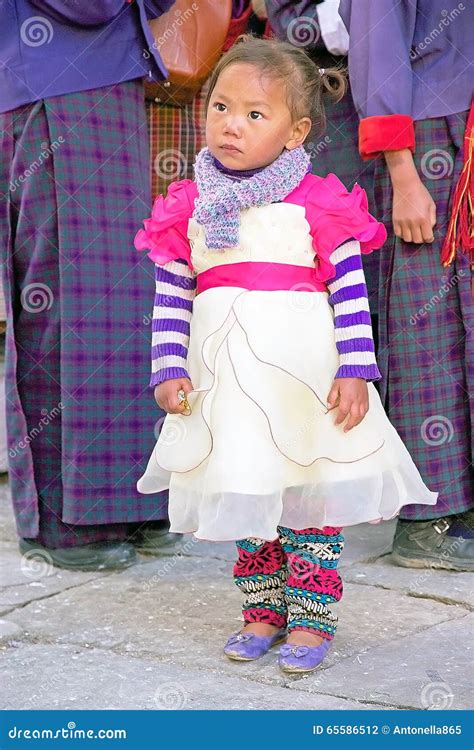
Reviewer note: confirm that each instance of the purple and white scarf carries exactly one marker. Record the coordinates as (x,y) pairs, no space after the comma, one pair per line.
(221,199)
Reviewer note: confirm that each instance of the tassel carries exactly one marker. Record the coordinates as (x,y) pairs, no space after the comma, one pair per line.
(460,233)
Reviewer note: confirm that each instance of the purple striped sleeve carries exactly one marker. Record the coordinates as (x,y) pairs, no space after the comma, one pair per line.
(353,327)
(175,289)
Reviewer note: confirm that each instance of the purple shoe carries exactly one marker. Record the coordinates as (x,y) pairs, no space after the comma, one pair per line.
(248,646)
(298,659)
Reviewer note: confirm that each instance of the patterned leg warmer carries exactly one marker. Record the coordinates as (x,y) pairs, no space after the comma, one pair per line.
(260,572)
(313,581)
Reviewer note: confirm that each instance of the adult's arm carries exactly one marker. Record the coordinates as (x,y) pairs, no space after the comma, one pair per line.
(96,12)
(380,40)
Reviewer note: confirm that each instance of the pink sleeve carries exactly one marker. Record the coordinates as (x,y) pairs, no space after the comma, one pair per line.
(335,216)
(165,232)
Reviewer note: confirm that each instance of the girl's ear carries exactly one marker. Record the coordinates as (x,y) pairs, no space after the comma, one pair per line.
(299,134)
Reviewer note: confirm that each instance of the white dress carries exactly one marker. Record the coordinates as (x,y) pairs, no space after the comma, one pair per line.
(260,448)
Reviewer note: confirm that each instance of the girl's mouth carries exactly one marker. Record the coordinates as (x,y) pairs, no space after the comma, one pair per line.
(232,149)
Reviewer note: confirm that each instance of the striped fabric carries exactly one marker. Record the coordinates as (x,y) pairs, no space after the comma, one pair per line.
(348,295)
(172,312)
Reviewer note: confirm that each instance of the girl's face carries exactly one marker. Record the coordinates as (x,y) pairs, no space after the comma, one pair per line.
(248,121)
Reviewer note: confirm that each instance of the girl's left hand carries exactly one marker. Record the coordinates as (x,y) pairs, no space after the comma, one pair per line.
(352,397)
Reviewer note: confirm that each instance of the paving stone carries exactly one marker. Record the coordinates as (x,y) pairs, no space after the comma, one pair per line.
(431,670)
(9,630)
(182,610)
(7,521)
(444,585)
(64,677)
(24,579)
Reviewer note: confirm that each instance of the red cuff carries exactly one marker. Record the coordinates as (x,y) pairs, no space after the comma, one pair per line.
(385,133)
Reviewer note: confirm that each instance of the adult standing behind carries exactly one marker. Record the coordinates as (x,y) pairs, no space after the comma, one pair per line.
(411,70)
(317,26)
(74,171)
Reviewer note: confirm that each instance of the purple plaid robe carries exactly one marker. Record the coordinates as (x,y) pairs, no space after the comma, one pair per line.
(80,415)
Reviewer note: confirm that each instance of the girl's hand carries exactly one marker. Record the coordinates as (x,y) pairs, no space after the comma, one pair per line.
(166,394)
(414,210)
(352,397)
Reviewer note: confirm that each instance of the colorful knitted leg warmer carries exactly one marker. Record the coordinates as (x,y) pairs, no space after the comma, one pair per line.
(313,581)
(260,572)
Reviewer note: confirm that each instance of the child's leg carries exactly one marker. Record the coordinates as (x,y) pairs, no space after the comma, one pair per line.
(313,582)
(260,572)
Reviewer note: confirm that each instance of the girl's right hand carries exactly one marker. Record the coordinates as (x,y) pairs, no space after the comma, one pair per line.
(166,394)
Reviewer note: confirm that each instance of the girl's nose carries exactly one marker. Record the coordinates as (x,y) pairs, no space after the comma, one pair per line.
(233,126)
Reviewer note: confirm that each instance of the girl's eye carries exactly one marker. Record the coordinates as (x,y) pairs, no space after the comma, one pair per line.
(219,106)
(255,115)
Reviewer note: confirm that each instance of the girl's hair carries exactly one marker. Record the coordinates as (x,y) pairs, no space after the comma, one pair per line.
(306,84)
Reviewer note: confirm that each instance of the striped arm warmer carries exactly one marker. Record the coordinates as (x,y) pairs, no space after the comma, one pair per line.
(353,328)
(172,312)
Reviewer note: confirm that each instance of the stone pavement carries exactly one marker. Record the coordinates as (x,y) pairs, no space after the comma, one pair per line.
(151,637)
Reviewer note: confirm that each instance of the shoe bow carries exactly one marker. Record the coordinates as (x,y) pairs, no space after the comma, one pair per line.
(298,651)
(239,638)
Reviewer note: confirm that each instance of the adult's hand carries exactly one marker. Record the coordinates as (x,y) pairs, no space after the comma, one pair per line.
(414,210)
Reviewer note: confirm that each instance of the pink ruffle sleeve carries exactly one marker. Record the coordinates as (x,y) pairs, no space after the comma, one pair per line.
(336,216)
(165,232)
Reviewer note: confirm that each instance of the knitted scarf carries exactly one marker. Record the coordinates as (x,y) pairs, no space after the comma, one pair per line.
(221,199)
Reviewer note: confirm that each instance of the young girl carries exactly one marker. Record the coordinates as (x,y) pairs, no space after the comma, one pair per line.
(275,436)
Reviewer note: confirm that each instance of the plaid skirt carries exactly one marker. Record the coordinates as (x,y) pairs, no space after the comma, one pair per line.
(80,415)
(426,346)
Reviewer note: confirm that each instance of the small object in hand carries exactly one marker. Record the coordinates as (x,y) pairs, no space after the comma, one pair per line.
(183,400)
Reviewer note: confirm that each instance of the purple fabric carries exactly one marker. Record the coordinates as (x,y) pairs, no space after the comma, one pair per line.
(425,47)
(281,13)
(166,323)
(346,293)
(52,47)
(426,330)
(238,7)
(68,230)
